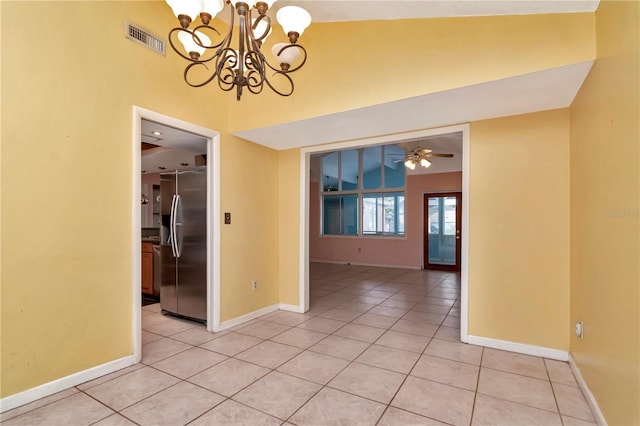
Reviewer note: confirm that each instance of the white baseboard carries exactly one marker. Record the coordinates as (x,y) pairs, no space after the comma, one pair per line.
(591,400)
(521,348)
(248,317)
(377,265)
(290,308)
(16,400)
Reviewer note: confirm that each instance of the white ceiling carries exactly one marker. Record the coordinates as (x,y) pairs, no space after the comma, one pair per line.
(365,10)
(177,148)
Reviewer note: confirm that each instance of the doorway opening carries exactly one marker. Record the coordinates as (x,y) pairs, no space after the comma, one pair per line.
(305,213)
(187,138)
(442,231)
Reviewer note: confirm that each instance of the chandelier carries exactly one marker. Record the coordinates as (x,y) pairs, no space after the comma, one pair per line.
(236,61)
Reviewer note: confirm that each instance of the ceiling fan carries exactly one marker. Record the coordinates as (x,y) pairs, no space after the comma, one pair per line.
(420,156)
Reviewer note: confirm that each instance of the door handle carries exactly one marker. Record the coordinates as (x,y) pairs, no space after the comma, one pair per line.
(172,226)
(177,241)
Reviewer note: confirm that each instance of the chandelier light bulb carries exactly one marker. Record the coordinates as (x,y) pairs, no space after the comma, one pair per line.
(425,163)
(190,45)
(410,164)
(287,57)
(293,19)
(190,8)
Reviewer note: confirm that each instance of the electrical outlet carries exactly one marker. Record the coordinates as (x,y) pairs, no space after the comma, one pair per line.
(254,285)
(579,329)
(359,249)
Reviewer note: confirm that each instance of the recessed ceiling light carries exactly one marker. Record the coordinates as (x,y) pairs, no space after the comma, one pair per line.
(157,133)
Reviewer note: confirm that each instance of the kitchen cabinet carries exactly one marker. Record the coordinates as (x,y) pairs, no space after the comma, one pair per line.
(147,268)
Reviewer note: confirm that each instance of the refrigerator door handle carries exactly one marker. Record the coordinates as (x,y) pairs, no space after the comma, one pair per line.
(172,226)
(177,239)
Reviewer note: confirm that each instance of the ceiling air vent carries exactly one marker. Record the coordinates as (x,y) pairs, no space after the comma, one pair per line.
(143,36)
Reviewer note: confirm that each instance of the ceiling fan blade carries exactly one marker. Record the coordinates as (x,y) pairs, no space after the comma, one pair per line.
(431,154)
(398,161)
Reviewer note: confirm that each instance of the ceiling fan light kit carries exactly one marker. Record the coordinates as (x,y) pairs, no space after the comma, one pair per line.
(242,65)
(420,156)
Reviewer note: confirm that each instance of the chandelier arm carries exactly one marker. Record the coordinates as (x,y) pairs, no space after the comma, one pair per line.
(175,49)
(278,91)
(204,83)
(254,60)
(254,85)
(206,27)
(267,29)
(226,63)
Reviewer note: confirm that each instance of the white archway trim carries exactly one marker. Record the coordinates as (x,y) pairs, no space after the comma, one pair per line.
(213,218)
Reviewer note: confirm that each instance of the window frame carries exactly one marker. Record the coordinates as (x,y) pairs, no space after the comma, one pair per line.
(361,193)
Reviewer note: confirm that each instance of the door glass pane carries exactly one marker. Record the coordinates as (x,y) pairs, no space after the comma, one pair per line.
(372,167)
(442,230)
(393,167)
(349,168)
(330,172)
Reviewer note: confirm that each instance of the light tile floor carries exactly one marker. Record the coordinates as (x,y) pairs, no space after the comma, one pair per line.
(379,346)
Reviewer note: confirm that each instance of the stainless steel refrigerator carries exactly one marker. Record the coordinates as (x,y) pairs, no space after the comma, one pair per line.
(183,250)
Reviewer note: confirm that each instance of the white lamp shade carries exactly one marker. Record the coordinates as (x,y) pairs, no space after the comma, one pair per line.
(288,56)
(293,19)
(425,163)
(260,29)
(410,164)
(189,43)
(213,7)
(191,8)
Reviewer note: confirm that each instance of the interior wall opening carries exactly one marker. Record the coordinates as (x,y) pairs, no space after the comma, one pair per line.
(170,156)
(348,248)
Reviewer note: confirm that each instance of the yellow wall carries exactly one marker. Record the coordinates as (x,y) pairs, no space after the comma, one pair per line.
(250,244)
(605,215)
(289,226)
(519,229)
(67,184)
(358,64)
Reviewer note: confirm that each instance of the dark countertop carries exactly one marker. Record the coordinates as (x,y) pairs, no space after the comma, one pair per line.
(151,240)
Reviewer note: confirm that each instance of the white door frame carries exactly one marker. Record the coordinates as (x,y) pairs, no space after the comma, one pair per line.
(213,219)
(305,155)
